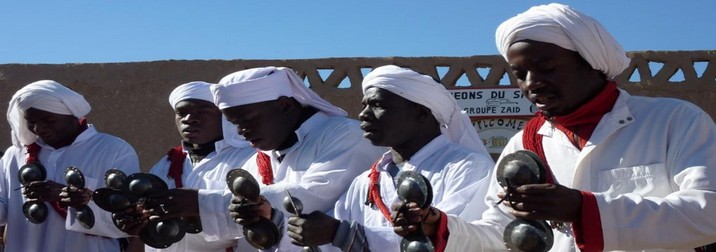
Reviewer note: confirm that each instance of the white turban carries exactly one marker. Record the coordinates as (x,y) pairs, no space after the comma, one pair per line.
(567,28)
(44,95)
(423,90)
(267,84)
(202,91)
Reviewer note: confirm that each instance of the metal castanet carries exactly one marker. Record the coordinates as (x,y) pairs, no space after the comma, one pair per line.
(516,169)
(528,235)
(114,179)
(83,214)
(414,187)
(123,192)
(295,206)
(35,211)
(262,234)
(162,234)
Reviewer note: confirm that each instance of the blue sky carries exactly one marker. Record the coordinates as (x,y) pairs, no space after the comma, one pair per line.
(93,31)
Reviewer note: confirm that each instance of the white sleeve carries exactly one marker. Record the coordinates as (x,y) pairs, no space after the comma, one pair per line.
(6,161)
(486,233)
(125,160)
(216,222)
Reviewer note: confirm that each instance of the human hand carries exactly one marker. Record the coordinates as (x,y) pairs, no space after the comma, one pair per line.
(71,196)
(47,190)
(177,202)
(245,212)
(132,220)
(543,202)
(407,218)
(312,229)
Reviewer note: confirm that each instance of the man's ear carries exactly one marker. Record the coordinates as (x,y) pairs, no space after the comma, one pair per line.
(285,104)
(423,113)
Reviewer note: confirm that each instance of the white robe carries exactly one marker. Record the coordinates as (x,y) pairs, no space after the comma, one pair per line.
(210,175)
(318,169)
(93,153)
(456,174)
(651,165)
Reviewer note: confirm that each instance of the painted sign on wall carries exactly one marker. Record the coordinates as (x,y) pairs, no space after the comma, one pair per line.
(497,113)
(492,102)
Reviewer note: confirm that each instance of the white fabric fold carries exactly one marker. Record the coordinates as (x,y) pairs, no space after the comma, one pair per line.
(46,95)
(422,89)
(266,84)
(202,91)
(567,28)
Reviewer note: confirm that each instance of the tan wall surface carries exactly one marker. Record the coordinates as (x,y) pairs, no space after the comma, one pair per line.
(129,100)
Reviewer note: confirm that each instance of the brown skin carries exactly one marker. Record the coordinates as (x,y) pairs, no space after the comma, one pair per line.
(198,121)
(57,131)
(54,129)
(246,212)
(558,82)
(268,125)
(387,120)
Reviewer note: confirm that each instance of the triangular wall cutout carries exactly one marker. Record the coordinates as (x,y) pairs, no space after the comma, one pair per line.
(325,73)
(365,70)
(442,71)
(483,72)
(700,67)
(678,76)
(635,76)
(655,67)
(462,81)
(505,81)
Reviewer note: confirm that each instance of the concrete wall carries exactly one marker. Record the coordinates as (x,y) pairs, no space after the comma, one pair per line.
(129,100)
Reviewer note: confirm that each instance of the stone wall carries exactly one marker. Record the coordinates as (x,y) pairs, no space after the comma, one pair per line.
(129,100)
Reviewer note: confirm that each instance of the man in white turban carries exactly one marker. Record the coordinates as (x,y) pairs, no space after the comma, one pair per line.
(622,172)
(305,145)
(49,129)
(210,148)
(427,133)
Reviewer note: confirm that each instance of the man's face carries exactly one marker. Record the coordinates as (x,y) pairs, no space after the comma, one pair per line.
(198,121)
(54,129)
(263,124)
(387,119)
(553,78)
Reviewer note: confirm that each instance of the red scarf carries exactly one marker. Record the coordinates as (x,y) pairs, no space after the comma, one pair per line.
(374,197)
(33,150)
(264,163)
(176,156)
(578,125)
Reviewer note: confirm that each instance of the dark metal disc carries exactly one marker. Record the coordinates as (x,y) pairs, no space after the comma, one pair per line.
(192,224)
(292,204)
(31,172)
(36,212)
(112,200)
(142,184)
(242,183)
(150,238)
(414,187)
(416,244)
(85,216)
(263,234)
(114,179)
(74,177)
(161,234)
(528,235)
(520,168)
